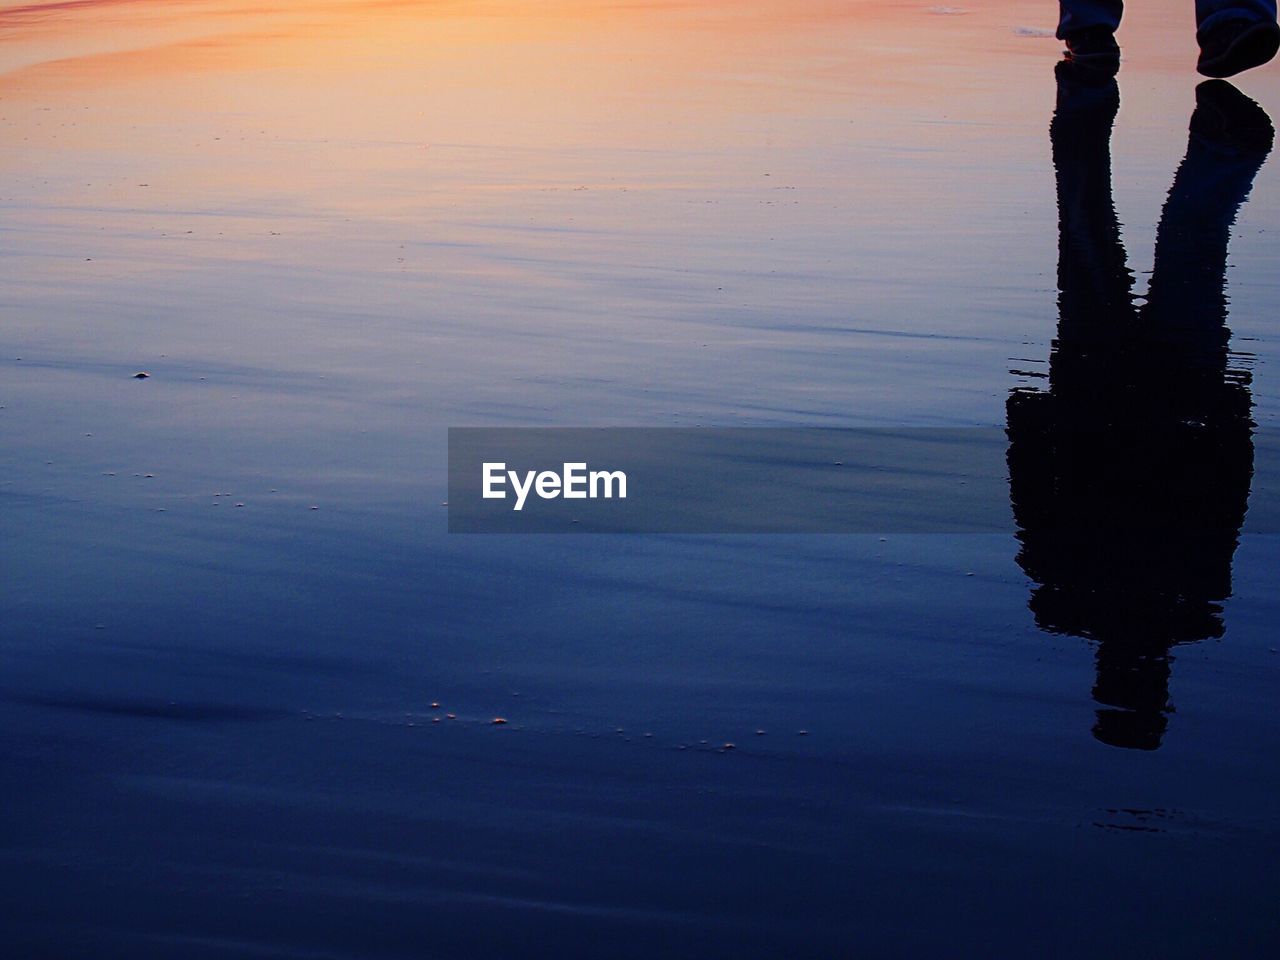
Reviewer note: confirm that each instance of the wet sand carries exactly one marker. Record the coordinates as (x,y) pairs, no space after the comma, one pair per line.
(330,231)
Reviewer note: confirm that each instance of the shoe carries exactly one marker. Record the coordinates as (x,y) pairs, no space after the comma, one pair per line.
(1237,45)
(1226,117)
(1095,48)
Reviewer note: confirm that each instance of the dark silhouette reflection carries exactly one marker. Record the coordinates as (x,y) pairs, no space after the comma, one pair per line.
(1130,474)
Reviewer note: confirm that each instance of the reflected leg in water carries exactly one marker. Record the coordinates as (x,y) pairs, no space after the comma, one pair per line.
(1130,475)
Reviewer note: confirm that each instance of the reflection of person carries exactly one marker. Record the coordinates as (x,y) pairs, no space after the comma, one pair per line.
(1234,35)
(1130,474)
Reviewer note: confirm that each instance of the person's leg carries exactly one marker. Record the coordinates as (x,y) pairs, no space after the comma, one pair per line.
(1088,28)
(1230,138)
(1094,281)
(1235,35)
(1076,16)
(1210,13)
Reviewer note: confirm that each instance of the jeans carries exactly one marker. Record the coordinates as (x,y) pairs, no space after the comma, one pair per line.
(1078,14)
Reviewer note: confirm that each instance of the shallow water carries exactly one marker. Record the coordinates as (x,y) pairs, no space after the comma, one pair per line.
(330,231)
